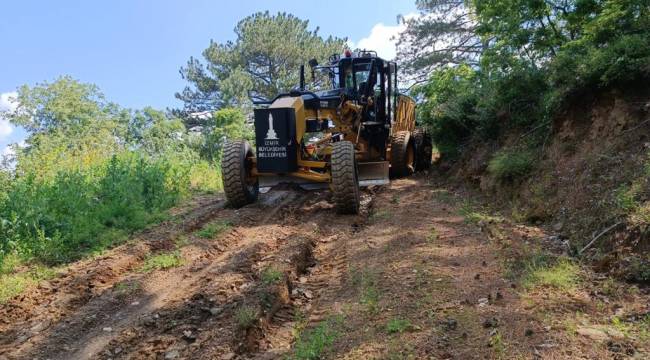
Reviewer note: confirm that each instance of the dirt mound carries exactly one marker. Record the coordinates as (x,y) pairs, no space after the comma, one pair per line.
(589,174)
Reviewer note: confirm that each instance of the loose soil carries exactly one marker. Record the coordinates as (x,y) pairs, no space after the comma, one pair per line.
(408,278)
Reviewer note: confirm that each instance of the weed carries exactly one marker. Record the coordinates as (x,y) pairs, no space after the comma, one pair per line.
(442,195)
(312,344)
(610,288)
(520,265)
(379,215)
(126,288)
(162,261)
(394,199)
(644,328)
(510,165)
(624,197)
(271,275)
(474,216)
(621,326)
(14,284)
(433,236)
(639,269)
(181,241)
(246,317)
(209,231)
(496,343)
(397,325)
(562,275)
(366,282)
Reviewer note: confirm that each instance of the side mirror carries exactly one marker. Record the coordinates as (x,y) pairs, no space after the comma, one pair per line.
(312,64)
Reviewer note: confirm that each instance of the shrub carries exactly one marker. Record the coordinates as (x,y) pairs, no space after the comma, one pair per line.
(246,316)
(397,325)
(510,165)
(85,209)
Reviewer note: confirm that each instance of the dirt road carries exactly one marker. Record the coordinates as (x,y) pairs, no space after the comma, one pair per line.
(417,275)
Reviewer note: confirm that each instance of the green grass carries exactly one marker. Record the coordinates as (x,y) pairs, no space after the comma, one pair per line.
(563,275)
(496,343)
(511,164)
(162,261)
(126,288)
(271,275)
(312,344)
(365,281)
(377,215)
(246,317)
(211,230)
(432,236)
(644,329)
(473,215)
(14,284)
(397,325)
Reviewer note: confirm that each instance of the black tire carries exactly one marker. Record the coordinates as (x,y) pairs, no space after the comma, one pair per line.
(345,178)
(423,149)
(402,157)
(236,166)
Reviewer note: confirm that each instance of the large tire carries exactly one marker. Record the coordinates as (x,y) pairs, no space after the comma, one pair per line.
(402,154)
(345,178)
(423,149)
(240,187)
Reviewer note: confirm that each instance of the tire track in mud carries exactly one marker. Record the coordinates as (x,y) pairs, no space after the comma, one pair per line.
(314,288)
(216,331)
(65,314)
(31,313)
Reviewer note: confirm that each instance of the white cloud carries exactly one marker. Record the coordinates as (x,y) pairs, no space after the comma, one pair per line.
(7,103)
(382,39)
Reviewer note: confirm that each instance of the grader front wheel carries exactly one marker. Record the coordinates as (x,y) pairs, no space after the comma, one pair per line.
(240,186)
(345,178)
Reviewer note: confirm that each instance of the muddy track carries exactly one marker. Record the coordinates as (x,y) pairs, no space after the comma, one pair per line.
(287,265)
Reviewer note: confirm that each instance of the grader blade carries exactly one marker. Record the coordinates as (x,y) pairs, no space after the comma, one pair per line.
(373,173)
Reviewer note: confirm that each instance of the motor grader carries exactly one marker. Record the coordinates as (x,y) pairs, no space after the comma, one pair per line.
(355,131)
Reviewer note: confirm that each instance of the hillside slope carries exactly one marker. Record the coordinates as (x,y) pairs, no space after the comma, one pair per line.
(589,173)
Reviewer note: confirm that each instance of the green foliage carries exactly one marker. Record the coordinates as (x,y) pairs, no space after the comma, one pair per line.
(225,124)
(12,284)
(271,275)
(533,56)
(91,173)
(264,58)
(246,317)
(211,230)
(312,344)
(563,275)
(511,165)
(370,295)
(162,261)
(397,325)
(80,211)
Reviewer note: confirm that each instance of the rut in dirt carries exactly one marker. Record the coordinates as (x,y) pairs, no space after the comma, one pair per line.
(409,278)
(107,308)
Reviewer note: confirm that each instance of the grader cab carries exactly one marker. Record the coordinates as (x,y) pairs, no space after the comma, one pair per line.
(357,132)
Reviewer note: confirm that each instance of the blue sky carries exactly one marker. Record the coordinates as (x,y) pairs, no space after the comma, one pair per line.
(132,49)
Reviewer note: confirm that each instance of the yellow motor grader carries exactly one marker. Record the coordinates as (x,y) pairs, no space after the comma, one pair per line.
(359,131)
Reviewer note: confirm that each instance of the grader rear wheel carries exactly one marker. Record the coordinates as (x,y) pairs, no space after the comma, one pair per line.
(423,149)
(402,158)
(240,186)
(345,178)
